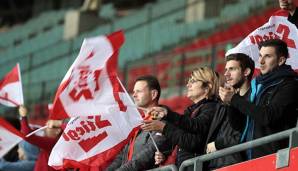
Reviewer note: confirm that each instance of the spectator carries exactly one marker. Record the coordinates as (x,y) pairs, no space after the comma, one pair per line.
(139,153)
(273,99)
(227,124)
(289,6)
(189,131)
(45,143)
(27,157)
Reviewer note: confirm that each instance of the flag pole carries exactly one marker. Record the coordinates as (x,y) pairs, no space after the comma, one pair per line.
(19,72)
(154,143)
(142,108)
(125,90)
(39,129)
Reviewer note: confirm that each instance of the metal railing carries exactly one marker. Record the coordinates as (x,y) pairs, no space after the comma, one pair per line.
(170,167)
(283,161)
(197,162)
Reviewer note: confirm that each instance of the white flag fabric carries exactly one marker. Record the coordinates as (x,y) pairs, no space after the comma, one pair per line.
(278,27)
(103,116)
(11,92)
(94,140)
(9,137)
(91,85)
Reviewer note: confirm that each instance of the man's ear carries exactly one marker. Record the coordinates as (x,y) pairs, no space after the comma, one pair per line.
(281,60)
(154,94)
(247,71)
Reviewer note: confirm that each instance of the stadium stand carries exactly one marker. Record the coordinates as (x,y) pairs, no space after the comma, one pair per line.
(159,40)
(163,26)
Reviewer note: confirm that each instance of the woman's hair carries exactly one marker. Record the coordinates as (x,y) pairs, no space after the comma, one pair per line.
(209,78)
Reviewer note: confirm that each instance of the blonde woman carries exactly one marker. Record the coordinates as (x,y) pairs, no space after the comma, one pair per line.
(189,136)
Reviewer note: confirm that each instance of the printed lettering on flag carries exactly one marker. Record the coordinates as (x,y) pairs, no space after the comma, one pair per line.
(9,137)
(90,86)
(95,140)
(278,27)
(11,93)
(103,116)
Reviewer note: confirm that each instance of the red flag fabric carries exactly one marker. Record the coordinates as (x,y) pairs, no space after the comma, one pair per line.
(103,116)
(11,92)
(278,27)
(91,84)
(9,137)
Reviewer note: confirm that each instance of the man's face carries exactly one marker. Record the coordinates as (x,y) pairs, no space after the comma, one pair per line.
(268,59)
(286,4)
(233,74)
(142,94)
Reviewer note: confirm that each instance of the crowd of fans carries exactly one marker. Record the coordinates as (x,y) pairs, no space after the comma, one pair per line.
(223,114)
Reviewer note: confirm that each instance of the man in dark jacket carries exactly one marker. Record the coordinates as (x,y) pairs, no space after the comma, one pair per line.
(273,99)
(290,6)
(139,153)
(227,124)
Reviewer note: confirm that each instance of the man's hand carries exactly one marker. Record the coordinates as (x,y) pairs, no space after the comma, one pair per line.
(54,123)
(226,94)
(211,147)
(159,157)
(157,112)
(153,125)
(22,111)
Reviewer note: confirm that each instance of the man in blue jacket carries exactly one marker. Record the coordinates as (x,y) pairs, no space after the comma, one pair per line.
(273,99)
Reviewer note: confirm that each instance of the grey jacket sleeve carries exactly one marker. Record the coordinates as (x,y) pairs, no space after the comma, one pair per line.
(144,159)
(118,160)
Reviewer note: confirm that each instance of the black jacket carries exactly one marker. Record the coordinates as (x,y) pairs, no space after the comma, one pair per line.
(274,109)
(225,130)
(189,131)
(294,18)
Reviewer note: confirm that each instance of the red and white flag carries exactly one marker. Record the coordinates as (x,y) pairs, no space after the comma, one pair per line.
(94,140)
(11,92)
(91,86)
(278,27)
(103,114)
(9,137)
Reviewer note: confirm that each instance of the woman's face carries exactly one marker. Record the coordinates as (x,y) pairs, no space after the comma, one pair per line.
(195,90)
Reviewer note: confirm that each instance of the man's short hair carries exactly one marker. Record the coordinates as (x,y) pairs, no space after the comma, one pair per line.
(152,83)
(245,62)
(281,47)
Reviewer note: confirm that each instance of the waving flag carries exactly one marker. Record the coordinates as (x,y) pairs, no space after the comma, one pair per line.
(91,86)
(9,137)
(103,115)
(278,27)
(94,140)
(11,93)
